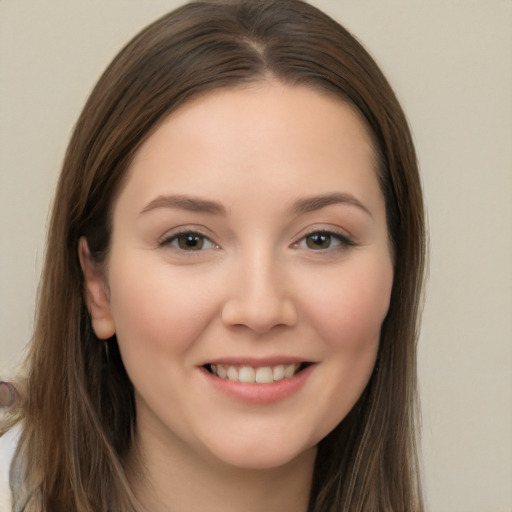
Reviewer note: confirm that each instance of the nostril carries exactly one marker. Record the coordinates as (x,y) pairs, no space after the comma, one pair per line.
(260,318)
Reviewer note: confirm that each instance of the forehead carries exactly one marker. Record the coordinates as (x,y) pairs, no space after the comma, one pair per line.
(295,107)
(283,137)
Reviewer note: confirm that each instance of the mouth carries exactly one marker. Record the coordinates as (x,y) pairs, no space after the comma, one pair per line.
(256,374)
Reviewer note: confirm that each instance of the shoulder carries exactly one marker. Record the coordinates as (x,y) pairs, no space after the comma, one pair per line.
(8,443)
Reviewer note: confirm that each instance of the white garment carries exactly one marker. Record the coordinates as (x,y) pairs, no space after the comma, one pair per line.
(8,443)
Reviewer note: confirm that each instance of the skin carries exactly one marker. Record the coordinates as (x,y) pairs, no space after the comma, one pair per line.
(260,286)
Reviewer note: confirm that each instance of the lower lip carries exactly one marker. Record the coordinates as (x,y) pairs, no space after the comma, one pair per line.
(259,394)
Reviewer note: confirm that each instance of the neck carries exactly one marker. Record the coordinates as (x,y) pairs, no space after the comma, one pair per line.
(165,479)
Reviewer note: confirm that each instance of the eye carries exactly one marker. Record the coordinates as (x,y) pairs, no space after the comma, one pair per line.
(324,240)
(188,241)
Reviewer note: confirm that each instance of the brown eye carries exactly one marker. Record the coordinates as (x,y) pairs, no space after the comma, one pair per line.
(190,241)
(319,241)
(325,240)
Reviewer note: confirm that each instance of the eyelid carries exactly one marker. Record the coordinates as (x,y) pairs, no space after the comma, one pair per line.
(170,236)
(344,239)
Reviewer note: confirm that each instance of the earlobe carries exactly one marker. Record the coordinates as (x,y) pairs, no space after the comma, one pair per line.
(96,294)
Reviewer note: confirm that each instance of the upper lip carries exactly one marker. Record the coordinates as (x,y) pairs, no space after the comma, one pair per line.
(256,362)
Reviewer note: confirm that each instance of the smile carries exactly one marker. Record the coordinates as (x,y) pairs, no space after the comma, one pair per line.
(256,375)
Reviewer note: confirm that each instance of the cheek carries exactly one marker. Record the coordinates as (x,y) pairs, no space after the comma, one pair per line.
(349,309)
(156,308)
(347,316)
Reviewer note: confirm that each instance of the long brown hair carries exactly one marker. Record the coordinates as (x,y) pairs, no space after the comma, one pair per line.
(78,414)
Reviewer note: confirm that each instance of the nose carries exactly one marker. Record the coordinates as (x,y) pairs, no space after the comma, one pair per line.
(259,297)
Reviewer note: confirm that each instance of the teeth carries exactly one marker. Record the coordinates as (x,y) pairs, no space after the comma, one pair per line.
(232,373)
(251,375)
(264,375)
(289,371)
(247,374)
(220,371)
(278,372)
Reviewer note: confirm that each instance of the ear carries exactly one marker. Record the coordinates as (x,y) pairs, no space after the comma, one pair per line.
(96,293)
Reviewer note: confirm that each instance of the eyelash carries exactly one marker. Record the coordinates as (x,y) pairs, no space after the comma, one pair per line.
(342,240)
(175,237)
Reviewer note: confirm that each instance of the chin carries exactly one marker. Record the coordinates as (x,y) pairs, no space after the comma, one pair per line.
(266,456)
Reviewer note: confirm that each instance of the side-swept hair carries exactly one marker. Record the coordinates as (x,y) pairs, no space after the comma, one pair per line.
(78,414)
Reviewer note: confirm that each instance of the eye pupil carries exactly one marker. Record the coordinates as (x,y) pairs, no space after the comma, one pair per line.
(190,241)
(319,241)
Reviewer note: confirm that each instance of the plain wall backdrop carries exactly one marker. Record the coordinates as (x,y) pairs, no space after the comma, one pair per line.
(450,62)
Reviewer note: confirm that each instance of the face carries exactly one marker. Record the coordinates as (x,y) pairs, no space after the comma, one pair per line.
(249,274)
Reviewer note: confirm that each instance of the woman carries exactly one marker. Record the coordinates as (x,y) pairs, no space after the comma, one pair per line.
(228,313)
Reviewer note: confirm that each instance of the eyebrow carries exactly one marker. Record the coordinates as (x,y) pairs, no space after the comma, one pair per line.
(300,207)
(314,203)
(188,203)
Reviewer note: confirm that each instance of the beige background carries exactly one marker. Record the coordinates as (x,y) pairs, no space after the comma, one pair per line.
(450,62)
